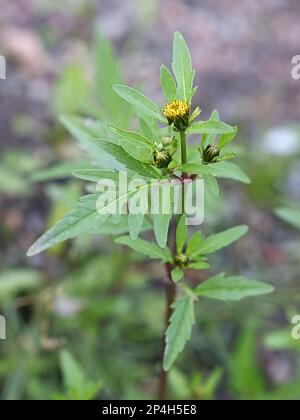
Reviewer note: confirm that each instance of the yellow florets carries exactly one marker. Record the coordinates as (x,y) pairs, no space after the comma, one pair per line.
(176,109)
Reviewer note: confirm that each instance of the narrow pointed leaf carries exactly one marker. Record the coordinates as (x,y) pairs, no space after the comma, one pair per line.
(161,224)
(147,248)
(220,240)
(124,158)
(210,127)
(139,101)
(84,218)
(182,67)
(227,138)
(181,234)
(168,84)
(179,330)
(232,288)
(219,169)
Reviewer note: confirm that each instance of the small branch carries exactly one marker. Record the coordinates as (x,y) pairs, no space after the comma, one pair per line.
(170,298)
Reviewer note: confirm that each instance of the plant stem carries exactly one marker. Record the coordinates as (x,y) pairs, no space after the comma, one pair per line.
(183,161)
(183,147)
(170,298)
(170,285)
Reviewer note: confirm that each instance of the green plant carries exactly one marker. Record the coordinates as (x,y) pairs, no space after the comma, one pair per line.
(157,155)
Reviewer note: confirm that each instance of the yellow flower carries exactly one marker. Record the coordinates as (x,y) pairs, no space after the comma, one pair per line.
(176,108)
(177,113)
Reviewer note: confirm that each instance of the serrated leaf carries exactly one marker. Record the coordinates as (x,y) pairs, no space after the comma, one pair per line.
(219,169)
(179,330)
(83,219)
(182,67)
(181,234)
(290,216)
(139,101)
(168,84)
(147,248)
(124,158)
(232,288)
(136,145)
(177,274)
(210,127)
(120,133)
(95,175)
(220,240)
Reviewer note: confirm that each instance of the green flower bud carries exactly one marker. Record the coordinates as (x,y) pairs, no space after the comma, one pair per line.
(161,158)
(181,260)
(211,153)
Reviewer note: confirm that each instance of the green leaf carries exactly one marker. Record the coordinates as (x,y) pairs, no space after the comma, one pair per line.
(177,274)
(73,375)
(211,185)
(76,383)
(161,224)
(232,171)
(181,234)
(95,175)
(219,169)
(84,218)
(220,240)
(232,288)
(182,67)
(61,170)
(194,244)
(146,248)
(168,84)
(210,127)
(290,216)
(123,157)
(133,143)
(179,330)
(70,90)
(199,265)
(210,138)
(227,138)
(135,224)
(107,73)
(138,100)
(120,133)
(85,129)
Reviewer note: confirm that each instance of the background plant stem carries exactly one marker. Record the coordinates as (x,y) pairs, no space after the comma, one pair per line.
(170,285)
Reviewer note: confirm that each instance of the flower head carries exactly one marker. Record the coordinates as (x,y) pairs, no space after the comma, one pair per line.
(211,153)
(177,112)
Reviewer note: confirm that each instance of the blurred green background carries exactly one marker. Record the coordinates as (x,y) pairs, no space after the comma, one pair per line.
(85,319)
